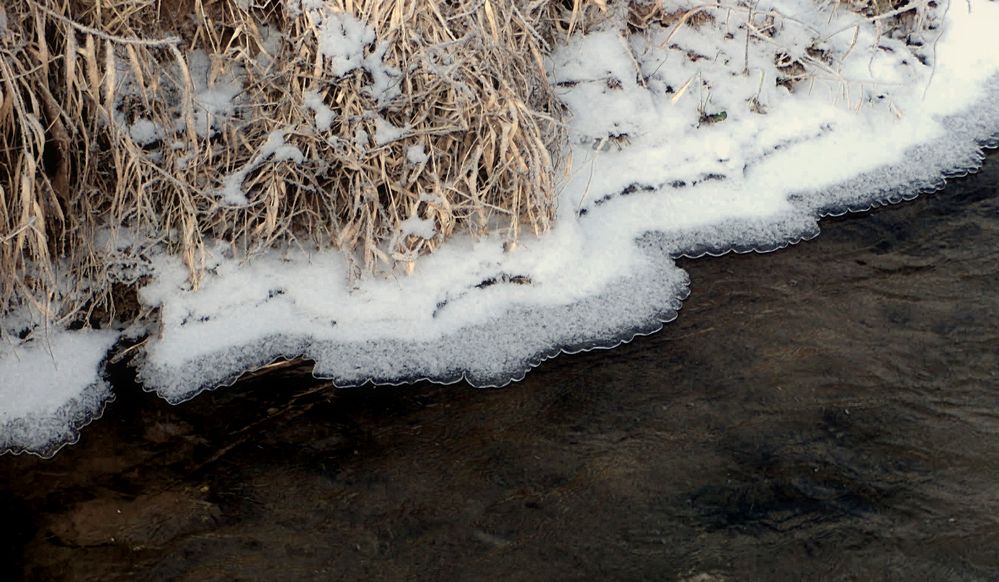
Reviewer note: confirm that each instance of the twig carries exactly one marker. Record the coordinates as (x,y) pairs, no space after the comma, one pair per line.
(169,41)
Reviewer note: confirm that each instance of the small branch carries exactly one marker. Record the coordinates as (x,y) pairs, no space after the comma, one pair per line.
(169,41)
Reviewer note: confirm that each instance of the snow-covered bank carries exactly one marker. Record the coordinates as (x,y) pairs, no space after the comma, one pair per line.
(686,139)
(51,388)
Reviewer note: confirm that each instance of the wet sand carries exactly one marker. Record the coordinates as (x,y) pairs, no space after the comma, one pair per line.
(830,411)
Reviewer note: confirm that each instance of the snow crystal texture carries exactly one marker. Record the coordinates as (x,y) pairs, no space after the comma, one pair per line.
(685,142)
(50,388)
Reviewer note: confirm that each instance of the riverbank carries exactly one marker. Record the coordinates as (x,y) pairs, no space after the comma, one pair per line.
(826,411)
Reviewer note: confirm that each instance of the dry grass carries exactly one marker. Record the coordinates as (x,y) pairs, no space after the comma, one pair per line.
(82,200)
(76,75)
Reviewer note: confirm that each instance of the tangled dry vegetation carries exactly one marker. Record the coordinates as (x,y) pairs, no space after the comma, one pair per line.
(127,125)
(113,139)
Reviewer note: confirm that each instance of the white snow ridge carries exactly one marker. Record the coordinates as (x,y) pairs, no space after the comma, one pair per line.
(685,140)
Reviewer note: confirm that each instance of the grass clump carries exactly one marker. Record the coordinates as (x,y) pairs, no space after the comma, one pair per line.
(379,127)
(133,125)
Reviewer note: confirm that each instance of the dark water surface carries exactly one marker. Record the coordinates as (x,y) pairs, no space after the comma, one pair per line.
(828,411)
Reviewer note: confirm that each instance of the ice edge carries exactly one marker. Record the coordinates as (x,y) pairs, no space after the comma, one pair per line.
(809,209)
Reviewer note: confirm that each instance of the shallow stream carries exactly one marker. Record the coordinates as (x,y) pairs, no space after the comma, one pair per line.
(826,411)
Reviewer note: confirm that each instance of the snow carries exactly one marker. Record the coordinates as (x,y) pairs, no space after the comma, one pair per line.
(214,99)
(50,388)
(349,44)
(420,227)
(295,8)
(386,133)
(416,155)
(324,116)
(648,158)
(274,149)
(360,138)
(216,96)
(145,132)
(683,143)
(343,39)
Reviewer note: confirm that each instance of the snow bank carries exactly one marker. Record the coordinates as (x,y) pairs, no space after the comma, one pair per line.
(685,142)
(691,149)
(51,388)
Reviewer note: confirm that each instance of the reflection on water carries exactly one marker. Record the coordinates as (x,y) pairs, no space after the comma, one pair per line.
(830,410)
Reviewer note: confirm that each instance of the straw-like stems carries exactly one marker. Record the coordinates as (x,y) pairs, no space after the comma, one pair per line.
(114,139)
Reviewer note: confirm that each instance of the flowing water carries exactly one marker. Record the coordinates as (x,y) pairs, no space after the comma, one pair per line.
(829,411)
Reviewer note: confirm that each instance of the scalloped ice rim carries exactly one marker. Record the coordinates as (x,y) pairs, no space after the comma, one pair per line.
(656,244)
(511,334)
(590,289)
(54,420)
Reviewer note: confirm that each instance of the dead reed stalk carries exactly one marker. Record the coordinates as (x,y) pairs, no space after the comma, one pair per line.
(128,126)
(380,127)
